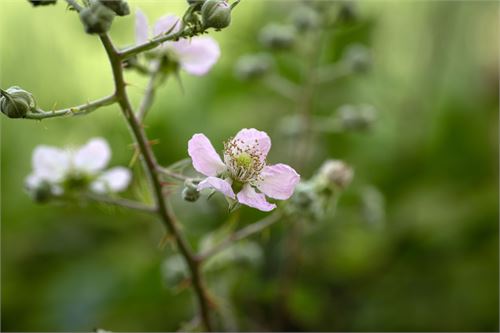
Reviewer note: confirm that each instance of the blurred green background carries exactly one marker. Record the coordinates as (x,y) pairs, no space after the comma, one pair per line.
(426,260)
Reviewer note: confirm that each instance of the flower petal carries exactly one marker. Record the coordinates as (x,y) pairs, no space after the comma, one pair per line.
(114,180)
(278,181)
(218,184)
(248,196)
(141,27)
(196,56)
(205,159)
(50,163)
(258,140)
(33,181)
(92,157)
(168,23)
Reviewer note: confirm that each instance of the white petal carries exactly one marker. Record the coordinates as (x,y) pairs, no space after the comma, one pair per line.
(141,27)
(248,196)
(278,181)
(218,184)
(197,55)
(51,164)
(168,23)
(205,158)
(113,180)
(92,157)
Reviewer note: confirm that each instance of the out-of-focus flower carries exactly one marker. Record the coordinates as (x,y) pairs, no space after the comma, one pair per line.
(196,55)
(58,170)
(277,36)
(253,66)
(244,175)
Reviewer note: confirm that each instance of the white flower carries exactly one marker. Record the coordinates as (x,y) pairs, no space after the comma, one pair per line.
(64,169)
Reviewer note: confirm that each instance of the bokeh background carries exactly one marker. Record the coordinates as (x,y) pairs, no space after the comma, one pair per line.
(413,245)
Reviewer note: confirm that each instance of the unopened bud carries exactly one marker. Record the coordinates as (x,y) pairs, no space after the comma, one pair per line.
(253,66)
(16,102)
(277,37)
(358,58)
(305,18)
(356,117)
(190,192)
(120,7)
(97,18)
(36,3)
(216,14)
(336,173)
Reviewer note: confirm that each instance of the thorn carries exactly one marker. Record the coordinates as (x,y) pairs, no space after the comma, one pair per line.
(167,238)
(154,142)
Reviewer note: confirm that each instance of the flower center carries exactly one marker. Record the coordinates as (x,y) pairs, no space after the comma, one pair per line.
(244,161)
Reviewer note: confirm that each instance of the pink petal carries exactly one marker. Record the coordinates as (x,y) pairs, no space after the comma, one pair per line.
(205,159)
(218,184)
(198,55)
(250,137)
(248,196)
(168,23)
(278,181)
(141,27)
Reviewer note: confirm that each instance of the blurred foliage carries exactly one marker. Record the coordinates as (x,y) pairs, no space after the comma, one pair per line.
(413,245)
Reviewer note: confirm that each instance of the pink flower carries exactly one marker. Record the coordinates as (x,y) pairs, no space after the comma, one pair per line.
(196,55)
(244,170)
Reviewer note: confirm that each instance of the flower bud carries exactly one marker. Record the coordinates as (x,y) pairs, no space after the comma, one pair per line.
(16,102)
(97,18)
(277,37)
(253,66)
(41,193)
(190,192)
(358,58)
(216,14)
(305,18)
(120,7)
(356,117)
(36,3)
(336,173)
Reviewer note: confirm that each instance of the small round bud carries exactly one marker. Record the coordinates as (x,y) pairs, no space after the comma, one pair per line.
(120,7)
(253,66)
(41,193)
(336,173)
(356,117)
(16,102)
(216,14)
(305,18)
(190,192)
(97,18)
(36,3)
(358,58)
(277,37)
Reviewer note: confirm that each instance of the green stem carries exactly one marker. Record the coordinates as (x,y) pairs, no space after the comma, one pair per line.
(246,232)
(151,167)
(72,111)
(121,202)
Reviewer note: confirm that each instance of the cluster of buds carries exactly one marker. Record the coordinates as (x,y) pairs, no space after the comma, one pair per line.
(98,16)
(16,102)
(205,14)
(316,196)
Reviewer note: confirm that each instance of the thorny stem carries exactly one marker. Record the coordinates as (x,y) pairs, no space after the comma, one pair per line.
(151,168)
(245,232)
(72,111)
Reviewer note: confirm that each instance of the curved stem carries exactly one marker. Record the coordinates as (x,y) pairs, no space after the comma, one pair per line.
(72,111)
(121,202)
(245,232)
(150,165)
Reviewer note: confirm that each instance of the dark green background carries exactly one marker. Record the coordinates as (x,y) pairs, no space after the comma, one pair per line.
(430,265)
